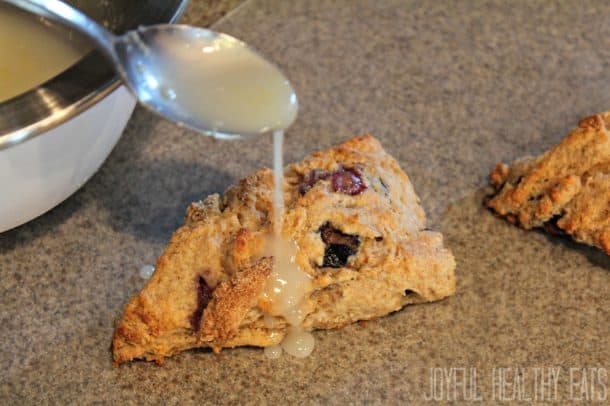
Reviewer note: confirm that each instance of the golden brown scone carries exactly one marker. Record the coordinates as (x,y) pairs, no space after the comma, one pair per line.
(362,238)
(565,190)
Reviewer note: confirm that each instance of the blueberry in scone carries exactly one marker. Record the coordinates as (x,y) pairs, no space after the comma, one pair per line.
(361,236)
(566,190)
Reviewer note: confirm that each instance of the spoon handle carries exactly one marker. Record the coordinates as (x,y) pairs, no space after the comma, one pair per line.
(67,15)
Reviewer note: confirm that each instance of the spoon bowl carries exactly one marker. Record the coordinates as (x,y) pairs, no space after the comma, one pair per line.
(207,81)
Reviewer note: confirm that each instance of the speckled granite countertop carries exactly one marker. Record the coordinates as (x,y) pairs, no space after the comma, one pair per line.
(450,88)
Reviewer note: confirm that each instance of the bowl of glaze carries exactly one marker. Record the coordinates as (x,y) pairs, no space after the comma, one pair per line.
(56,134)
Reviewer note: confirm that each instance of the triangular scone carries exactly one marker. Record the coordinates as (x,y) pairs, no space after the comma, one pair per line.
(565,190)
(361,234)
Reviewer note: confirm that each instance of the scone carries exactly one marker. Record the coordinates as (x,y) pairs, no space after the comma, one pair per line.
(361,236)
(565,190)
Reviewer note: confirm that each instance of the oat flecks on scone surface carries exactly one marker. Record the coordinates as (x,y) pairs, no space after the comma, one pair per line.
(565,190)
(361,234)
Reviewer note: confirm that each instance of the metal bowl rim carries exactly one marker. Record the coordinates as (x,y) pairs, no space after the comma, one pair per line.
(44,123)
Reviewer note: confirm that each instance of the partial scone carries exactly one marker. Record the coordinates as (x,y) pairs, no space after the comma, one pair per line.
(565,190)
(361,234)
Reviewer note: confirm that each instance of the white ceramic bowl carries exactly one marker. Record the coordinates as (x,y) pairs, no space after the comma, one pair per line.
(56,136)
(37,175)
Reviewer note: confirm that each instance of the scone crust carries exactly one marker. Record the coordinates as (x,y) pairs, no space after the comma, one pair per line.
(221,245)
(565,190)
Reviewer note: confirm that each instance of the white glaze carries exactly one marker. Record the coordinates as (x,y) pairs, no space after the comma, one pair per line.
(146,271)
(287,286)
(273,352)
(298,342)
(219,82)
(31,52)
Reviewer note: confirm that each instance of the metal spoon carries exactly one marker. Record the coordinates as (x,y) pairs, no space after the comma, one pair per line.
(201,79)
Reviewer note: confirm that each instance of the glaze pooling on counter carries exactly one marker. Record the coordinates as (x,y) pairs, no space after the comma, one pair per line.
(146,271)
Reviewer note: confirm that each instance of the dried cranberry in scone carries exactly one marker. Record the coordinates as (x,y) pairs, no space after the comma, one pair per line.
(339,246)
(344,180)
(348,181)
(312,178)
(204,295)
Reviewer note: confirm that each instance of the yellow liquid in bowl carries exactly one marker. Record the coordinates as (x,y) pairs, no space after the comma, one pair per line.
(32,51)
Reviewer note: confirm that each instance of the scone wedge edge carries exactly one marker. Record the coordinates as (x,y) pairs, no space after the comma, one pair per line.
(361,235)
(566,190)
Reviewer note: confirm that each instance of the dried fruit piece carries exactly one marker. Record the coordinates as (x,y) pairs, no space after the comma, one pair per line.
(339,246)
(344,180)
(312,178)
(348,181)
(552,228)
(335,256)
(204,295)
